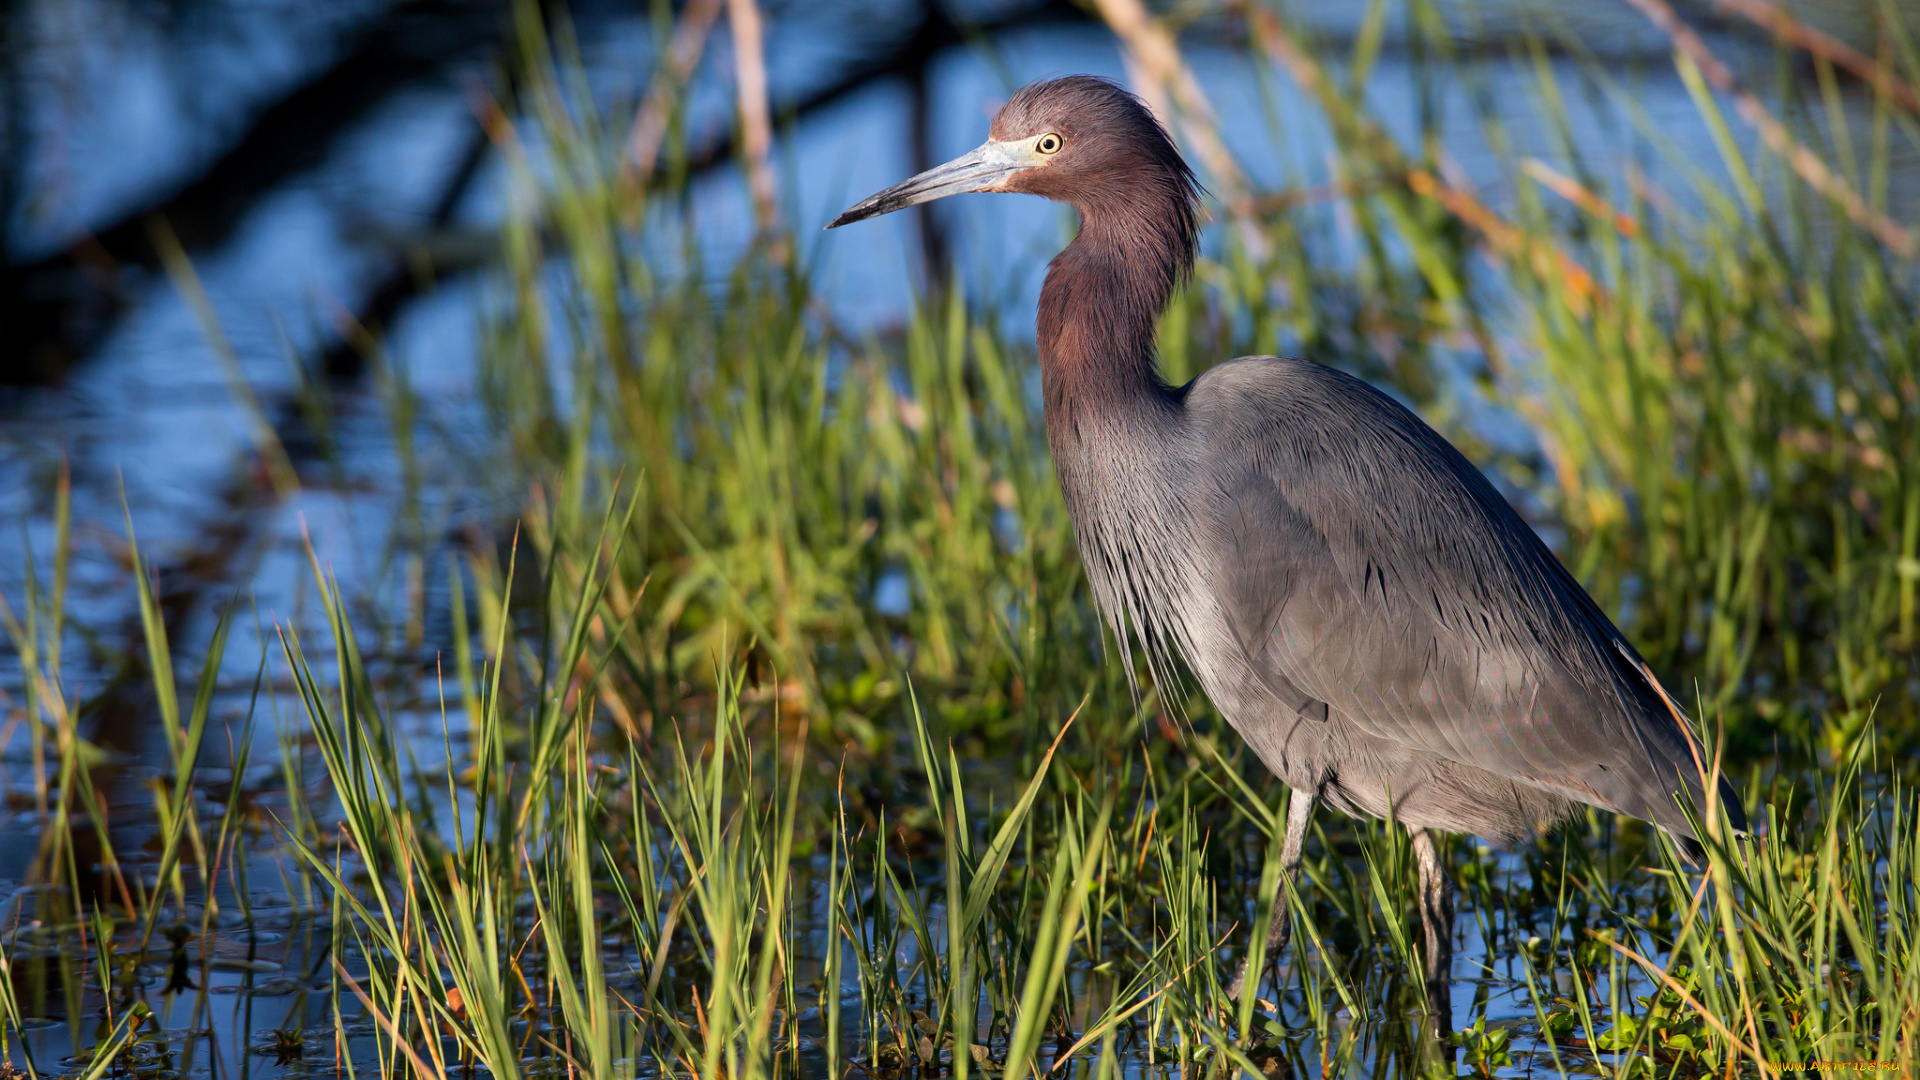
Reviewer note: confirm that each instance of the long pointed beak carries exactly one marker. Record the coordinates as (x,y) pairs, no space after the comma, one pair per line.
(985,169)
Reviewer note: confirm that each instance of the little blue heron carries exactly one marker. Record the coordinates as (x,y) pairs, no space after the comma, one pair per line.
(1354,596)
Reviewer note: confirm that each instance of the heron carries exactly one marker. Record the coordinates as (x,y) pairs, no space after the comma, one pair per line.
(1356,599)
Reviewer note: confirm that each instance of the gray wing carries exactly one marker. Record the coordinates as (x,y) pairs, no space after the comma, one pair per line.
(1374,569)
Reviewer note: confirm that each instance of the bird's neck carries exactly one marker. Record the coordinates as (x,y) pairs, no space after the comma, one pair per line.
(1098,309)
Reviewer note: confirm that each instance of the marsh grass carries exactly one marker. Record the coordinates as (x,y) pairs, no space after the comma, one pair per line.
(712,900)
(678,906)
(709,803)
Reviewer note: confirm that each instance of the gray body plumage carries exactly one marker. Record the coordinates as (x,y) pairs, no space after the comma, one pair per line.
(1352,594)
(1363,607)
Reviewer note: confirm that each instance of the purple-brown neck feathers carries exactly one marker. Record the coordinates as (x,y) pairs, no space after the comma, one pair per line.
(1139,219)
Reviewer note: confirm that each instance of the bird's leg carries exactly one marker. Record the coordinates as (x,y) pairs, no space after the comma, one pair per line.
(1436,918)
(1299,812)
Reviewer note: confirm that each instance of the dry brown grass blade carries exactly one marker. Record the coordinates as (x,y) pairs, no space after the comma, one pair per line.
(1783,26)
(1668,982)
(1153,52)
(650,125)
(400,1041)
(1895,237)
(1065,1057)
(756,116)
(1580,195)
(1549,261)
(1710,814)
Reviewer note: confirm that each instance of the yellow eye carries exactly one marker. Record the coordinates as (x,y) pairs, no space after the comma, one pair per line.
(1048,144)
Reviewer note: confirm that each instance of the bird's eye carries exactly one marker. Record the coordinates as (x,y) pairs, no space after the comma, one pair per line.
(1048,144)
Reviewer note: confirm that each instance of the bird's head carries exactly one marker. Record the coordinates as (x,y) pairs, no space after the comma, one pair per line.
(1079,139)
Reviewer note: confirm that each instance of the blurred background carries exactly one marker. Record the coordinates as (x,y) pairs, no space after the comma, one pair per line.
(357,310)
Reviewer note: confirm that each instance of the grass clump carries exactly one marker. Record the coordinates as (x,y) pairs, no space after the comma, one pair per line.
(711,902)
(560,893)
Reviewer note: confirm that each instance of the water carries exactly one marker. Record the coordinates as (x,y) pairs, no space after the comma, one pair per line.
(118,100)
